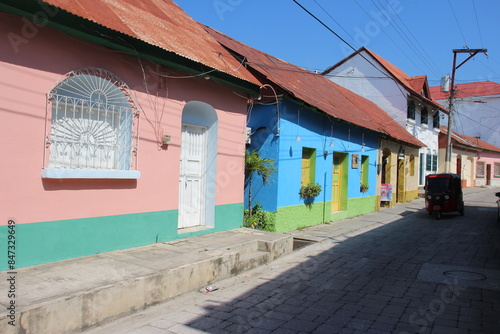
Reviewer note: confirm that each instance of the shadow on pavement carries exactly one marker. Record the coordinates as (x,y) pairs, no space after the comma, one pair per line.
(369,283)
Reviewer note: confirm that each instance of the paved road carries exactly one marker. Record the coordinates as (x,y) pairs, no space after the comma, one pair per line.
(414,275)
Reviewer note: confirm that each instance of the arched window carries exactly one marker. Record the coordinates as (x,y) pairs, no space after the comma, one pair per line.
(92,122)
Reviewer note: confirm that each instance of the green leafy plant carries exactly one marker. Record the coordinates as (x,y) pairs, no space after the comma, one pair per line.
(310,190)
(364,188)
(264,167)
(258,219)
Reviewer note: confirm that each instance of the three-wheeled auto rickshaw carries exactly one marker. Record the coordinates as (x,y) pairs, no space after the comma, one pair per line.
(443,193)
(498,205)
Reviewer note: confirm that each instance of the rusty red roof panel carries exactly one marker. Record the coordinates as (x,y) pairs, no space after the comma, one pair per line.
(418,83)
(160,23)
(472,142)
(481,88)
(456,137)
(316,90)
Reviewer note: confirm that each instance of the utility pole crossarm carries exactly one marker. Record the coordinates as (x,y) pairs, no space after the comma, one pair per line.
(469,50)
(472,52)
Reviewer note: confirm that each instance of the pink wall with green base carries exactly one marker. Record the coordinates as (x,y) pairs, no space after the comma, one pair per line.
(76,217)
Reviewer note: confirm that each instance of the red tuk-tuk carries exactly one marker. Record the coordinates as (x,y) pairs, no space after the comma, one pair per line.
(443,193)
(498,205)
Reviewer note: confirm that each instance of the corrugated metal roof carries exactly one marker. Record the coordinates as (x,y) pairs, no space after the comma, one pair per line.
(417,86)
(471,89)
(160,23)
(316,90)
(469,141)
(418,83)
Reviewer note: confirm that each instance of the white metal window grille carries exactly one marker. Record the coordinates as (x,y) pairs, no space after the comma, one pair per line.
(481,169)
(92,122)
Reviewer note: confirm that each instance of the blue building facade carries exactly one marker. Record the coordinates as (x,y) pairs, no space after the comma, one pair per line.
(308,146)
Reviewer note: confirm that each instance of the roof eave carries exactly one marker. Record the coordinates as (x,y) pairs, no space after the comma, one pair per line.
(313,108)
(107,37)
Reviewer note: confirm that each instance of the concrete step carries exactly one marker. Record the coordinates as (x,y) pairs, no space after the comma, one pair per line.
(254,259)
(67,296)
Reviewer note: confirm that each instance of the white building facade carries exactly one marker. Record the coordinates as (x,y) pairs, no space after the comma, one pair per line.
(476,111)
(406,99)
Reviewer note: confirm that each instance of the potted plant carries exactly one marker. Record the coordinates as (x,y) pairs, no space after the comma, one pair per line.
(310,190)
(364,188)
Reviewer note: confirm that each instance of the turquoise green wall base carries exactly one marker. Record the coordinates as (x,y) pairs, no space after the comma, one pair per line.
(299,216)
(45,242)
(227,217)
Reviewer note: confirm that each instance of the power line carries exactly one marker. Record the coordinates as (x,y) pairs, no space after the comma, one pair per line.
(458,23)
(335,21)
(343,40)
(477,23)
(396,44)
(486,66)
(419,46)
(324,25)
(481,125)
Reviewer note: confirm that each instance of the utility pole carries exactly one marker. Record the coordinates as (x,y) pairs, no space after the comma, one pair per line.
(472,53)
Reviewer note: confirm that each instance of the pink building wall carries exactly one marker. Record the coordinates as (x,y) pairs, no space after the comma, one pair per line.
(28,75)
(489,158)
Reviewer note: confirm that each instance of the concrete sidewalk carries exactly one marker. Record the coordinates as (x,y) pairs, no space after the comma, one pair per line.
(367,222)
(79,293)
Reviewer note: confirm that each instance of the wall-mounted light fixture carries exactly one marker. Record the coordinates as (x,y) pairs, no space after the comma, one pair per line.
(166,139)
(401,153)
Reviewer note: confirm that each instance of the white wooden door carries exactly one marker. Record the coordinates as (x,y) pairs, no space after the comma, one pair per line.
(192,176)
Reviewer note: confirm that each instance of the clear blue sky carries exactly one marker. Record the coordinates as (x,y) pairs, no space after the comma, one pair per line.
(415,35)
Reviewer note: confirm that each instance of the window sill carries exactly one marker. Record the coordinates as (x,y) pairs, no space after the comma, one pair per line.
(62,173)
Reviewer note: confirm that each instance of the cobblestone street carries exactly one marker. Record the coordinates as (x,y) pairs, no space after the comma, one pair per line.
(413,275)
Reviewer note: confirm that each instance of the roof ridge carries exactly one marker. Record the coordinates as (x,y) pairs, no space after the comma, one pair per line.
(319,92)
